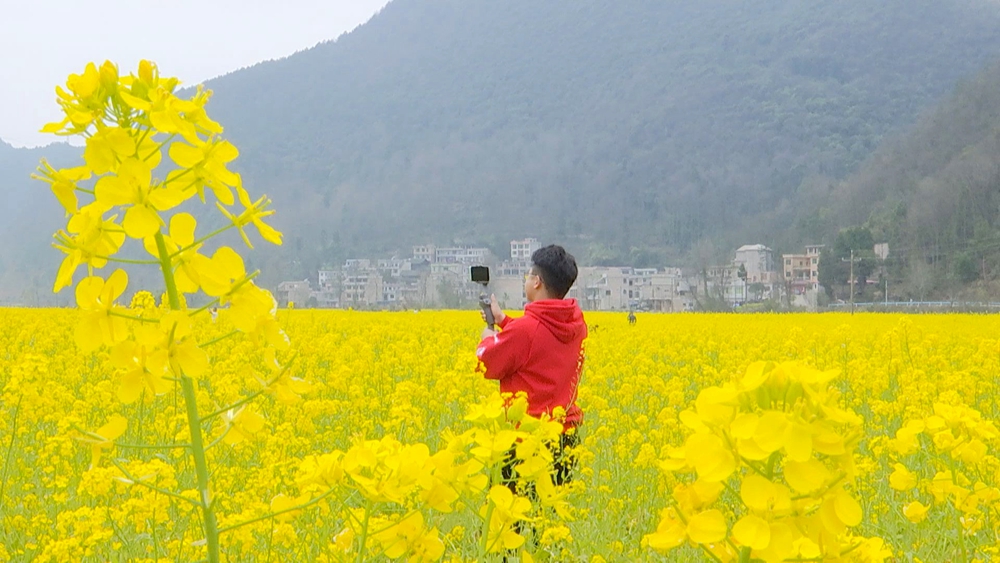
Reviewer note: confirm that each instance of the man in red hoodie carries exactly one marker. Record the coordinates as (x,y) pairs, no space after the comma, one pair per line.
(541,353)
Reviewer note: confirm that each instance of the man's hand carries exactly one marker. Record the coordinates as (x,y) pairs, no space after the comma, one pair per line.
(498,314)
(487,333)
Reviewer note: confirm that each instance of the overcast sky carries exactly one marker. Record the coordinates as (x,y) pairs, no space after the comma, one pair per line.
(42,41)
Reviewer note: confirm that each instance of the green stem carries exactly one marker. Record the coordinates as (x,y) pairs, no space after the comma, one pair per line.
(131,318)
(160,146)
(217,340)
(209,520)
(205,306)
(958,513)
(203,239)
(136,481)
(745,554)
(168,272)
(270,515)
(364,532)
(484,544)
(10,448)
(252,396)
(152,446)
(130,261)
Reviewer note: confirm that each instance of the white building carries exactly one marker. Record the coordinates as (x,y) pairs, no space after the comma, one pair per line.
(524,248)
(461,255)
(424,252)
(758,260)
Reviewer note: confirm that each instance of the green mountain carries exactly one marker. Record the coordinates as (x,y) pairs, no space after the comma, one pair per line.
(627,129)
(934,195)
(29,215)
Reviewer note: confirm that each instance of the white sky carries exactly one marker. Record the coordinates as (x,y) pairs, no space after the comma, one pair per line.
(43,41)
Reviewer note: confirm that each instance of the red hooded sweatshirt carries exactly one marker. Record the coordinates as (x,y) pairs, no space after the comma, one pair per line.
(541,354)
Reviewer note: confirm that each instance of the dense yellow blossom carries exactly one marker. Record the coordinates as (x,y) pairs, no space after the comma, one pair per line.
(398,380)
(168,434)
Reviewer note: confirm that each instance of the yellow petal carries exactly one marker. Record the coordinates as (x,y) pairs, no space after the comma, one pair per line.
(710,457)
(707,527)
(807,476)
(141,221)
(753,531)
(88,291)
(744,426)
(89,333)
(799,445)
(848,509)
(191,359)
(229,262)
(669,534)
(134,102)
(130,388)
(166,198)
(64,277)
(915,512)
(114,428)
(182,227)
(184,155)
(756,375)
(772,431)
(113,190)
(757,492)
(268,233)
(115,286)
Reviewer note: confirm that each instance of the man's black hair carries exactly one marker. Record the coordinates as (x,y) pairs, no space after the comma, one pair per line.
(556,267)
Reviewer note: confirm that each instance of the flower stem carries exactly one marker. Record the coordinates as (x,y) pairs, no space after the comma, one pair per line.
(364,532)
(209,520)
(10,448)
(168,273)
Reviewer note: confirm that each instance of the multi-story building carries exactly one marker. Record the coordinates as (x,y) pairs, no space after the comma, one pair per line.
(328,278)
(607,288)
(665,291)
(357,264)
(461,255)
(724,282)
(801,271)
(425,252)
(297,292)
(360,287)
(758,260)
(524,248)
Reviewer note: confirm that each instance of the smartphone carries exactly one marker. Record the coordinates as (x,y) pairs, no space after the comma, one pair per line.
(481,274)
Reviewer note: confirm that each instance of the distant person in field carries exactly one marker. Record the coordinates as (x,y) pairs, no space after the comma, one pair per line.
(541,353)
(631,317)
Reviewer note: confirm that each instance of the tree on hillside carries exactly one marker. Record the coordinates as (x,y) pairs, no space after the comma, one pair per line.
(835,265)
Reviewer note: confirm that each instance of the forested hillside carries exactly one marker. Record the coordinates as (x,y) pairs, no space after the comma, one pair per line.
(628,129)
(934,195)
(627,123)
(29,215)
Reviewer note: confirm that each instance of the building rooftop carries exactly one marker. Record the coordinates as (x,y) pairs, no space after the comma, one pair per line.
(752,247)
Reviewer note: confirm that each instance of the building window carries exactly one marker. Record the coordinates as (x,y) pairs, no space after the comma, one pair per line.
(814,260)
(788,274)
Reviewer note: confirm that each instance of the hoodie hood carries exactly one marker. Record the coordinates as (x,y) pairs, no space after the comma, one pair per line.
(561,316)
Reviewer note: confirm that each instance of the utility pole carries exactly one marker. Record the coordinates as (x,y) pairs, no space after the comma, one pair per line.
(852,278)
(852,281)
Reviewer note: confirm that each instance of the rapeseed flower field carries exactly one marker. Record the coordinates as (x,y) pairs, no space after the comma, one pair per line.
(900,438)
(141,429)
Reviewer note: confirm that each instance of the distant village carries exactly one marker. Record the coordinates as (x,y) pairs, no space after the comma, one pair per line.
(438,277)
